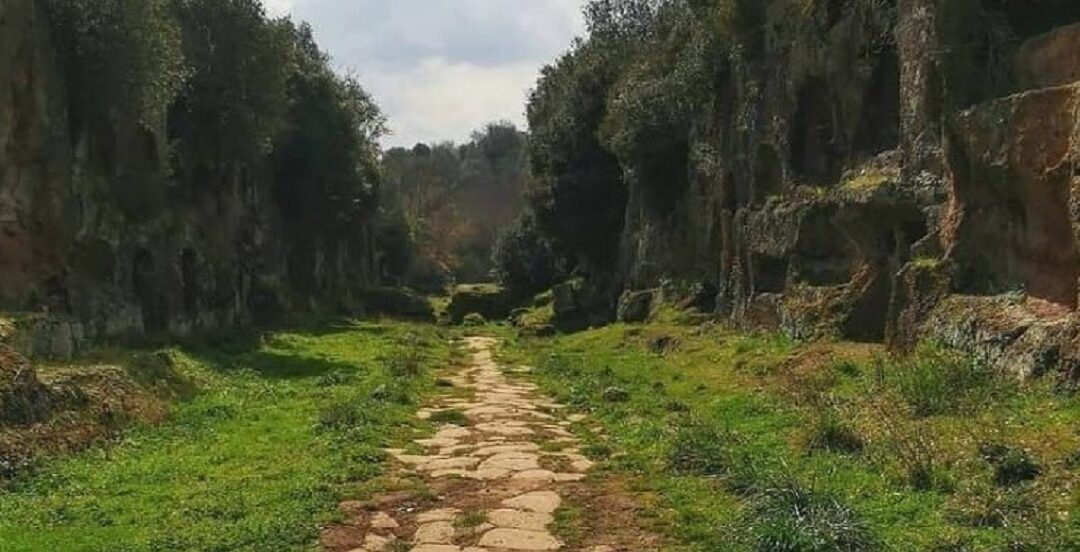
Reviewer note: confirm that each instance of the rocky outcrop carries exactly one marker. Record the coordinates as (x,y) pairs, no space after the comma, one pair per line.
(99,230)
(889,176)
(490,301)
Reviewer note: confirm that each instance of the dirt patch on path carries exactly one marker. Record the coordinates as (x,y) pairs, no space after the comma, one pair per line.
(498,477)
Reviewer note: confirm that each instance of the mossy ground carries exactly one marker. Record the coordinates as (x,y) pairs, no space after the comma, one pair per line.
(758,443)
(284,428)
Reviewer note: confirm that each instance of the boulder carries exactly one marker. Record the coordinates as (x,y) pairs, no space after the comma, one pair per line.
(579,304)
(397,302)
(635,306)
(490,301)
(1050,59)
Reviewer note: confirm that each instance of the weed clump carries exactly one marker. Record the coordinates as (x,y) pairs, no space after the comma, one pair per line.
(792,517)
(701,448)
(832,434)
(1011,465)
(934,381)
(407,363)
(982,505)
(615,395)
(334,379)
(451,416)
(342,416)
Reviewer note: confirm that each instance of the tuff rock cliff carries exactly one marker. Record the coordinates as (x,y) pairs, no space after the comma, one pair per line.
(101,236)
(889,171)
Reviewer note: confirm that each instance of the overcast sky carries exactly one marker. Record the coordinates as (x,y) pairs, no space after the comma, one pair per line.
(441,68)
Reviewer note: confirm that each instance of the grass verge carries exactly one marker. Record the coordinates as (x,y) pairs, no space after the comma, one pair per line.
(755,443)
(284,428)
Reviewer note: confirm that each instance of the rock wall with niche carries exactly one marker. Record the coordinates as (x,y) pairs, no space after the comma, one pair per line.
(98,237)
(886,180)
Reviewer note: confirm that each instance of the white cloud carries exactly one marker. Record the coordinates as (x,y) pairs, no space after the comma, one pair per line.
(278,8)
(441,68)
(440,99)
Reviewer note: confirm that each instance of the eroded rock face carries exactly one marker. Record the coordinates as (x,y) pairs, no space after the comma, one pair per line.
(886,186)
(96,227)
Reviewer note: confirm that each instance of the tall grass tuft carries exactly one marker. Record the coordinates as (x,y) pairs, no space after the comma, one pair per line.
(792,517)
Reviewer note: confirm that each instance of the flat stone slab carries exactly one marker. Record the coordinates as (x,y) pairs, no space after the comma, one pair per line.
(519,539)
(382,520)
(437,532)
(462,462)
(442,514)
(544,502)
(436,548)
(513,461)
(518,519)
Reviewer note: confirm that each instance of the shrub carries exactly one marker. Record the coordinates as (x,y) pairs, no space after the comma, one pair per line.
(523,258)
(791,517)
(406,363)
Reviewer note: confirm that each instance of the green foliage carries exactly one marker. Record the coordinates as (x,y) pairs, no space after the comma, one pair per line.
(454,199)
(1011,465)
(935,381)
(474,319)
(234,104)
(120,57)
(259,460)
(523,258)
(701,448)
(577,193)
(327,171)
(831,433)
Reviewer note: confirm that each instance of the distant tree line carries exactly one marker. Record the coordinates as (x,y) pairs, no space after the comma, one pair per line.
(443,205)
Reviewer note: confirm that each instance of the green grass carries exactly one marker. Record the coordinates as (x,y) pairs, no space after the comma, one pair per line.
(284,428)
(754,443)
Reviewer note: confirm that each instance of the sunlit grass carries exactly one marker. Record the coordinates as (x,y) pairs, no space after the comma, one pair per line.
(256,462)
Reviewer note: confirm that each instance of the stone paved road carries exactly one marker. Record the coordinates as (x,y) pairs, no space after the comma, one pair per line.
(512,462)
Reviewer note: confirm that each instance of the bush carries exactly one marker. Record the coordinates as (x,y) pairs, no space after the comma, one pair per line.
(523,258)
(490,301)
(791,517)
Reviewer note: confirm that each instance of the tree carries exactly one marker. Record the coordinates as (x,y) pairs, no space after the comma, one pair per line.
(327,160)
(234,105)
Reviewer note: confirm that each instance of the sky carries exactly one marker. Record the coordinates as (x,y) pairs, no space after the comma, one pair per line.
(441,69)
